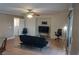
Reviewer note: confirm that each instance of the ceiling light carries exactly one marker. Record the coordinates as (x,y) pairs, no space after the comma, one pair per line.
(29,16)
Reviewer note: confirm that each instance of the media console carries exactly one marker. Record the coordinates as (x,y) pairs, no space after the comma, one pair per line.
(43,31)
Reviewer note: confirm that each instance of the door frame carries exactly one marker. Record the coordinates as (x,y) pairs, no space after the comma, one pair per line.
(69,32)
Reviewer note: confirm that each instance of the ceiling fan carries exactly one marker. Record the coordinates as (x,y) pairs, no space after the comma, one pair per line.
(30,13)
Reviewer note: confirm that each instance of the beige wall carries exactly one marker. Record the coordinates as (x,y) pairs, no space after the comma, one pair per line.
(6,25)
(59,20)
(75,42)
(55,21)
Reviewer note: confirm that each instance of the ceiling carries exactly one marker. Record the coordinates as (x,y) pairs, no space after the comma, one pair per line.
(41,8)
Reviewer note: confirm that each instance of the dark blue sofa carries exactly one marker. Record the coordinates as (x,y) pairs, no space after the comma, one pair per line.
(33,41)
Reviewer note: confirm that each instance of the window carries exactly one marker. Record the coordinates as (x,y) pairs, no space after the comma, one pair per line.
(16,21)
(16,25)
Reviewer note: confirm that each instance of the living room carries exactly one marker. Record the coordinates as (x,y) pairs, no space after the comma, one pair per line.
(42,26)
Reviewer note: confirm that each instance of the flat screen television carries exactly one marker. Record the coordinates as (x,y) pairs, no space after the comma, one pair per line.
(43,29)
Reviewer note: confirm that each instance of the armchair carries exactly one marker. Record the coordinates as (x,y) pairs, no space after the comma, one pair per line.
(58,33)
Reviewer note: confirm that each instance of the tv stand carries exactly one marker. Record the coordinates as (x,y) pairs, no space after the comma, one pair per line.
(45,35)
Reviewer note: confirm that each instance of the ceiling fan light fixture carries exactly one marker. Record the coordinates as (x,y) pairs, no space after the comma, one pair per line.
(29,16)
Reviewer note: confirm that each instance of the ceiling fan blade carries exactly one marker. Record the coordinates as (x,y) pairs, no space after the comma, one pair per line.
(36,14)
(31,11)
